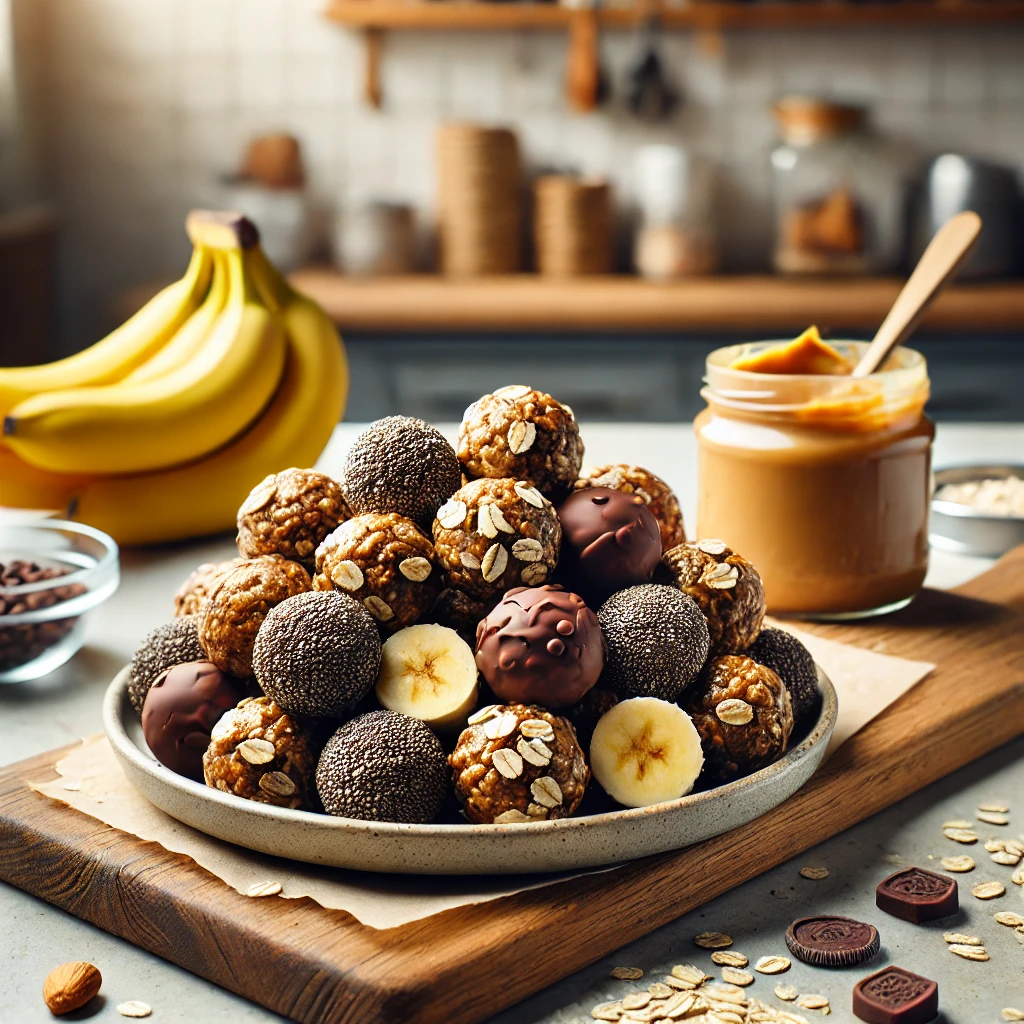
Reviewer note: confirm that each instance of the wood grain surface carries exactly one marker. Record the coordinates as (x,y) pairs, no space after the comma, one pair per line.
(322,966)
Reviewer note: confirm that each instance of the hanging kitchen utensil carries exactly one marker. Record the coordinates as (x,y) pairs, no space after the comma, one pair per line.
(652,96)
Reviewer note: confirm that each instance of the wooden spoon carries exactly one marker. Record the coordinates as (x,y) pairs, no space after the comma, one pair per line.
(945,252)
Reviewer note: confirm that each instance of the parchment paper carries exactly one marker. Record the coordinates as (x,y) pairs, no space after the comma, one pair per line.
(91,781)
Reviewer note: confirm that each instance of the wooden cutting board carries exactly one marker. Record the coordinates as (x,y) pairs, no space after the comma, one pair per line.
(321,966)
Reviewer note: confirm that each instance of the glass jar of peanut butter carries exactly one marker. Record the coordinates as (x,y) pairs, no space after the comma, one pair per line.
(820,479)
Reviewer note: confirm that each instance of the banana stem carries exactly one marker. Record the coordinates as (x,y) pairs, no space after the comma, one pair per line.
(221,229)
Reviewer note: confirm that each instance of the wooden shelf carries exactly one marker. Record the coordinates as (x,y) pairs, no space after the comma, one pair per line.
(719,304)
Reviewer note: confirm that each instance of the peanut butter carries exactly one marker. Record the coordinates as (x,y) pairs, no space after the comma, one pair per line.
(822,481)
(807,354)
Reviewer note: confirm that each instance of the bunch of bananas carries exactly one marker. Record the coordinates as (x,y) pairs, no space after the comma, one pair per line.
(158,432)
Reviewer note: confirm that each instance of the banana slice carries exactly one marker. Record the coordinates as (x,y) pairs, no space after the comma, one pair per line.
(645,751)
(428,672)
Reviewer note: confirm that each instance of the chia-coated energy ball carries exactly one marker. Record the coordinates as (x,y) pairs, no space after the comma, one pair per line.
(493,535)
(610,541)
(657,642)
(193,593)
(725,585)
(460,612)
(792,663)
(743,714)
(515,763)
(657,495)
(525,434)
(586,712)
(173,643)
(402,465)
(237,606)
(289,514)
(383,766)
(317,654)
(259,752)
(386,563)
(540,645)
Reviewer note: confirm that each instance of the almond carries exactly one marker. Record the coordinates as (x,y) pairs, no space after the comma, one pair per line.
(70,986)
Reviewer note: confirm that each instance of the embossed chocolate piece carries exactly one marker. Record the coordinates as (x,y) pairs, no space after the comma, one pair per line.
(916,895)
(895,996)
(831,941)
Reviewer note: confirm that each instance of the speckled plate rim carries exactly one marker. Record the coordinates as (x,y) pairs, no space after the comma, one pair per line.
(472,846)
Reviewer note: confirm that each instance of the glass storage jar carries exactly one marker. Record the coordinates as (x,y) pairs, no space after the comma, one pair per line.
(823,482)
(839,191)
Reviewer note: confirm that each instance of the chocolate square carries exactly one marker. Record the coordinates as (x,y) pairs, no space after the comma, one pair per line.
(895,996)
(916,895)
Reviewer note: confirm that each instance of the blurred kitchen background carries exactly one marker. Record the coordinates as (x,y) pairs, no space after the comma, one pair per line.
(583,199)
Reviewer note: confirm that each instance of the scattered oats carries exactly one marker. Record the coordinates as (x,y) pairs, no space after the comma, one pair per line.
(1018,877)
(1009,1013)
(725,992)
(679,983)
(635,1000)
(529,494)
(724,958)
(501,726)
(988,890)
(994,806)
(959,863)
(960,939)
(134,1008)
(1006,858)
(969,952)
(733,976)
(958,823)
(679,1005)
(626,973)
(1009,918)
(772,964)
(812,1002)
(607,1011)
(513,816)
(263,889)
(687,972)
(659,990)
(713,940)
(507,763)
(1015,846)
(960,835)
(257,751)
(786,993)
(995,845)
(991,818)
(815,874)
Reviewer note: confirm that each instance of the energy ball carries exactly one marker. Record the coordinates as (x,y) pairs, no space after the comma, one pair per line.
(181,709)
(193,593)
(588,711)
(610,541)
(521,433)
(386,563)
(725,585)
(289,514)
(540,646)
(792,663)
(492,535)
(657,495)
(515,763)
(383,766)
(657,642)
(743,714)
(238,604)
(400,465)
(460,612)
(317,654)
(173,643)
(259,752)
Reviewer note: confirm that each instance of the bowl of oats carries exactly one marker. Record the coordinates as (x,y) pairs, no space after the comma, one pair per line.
(978,510)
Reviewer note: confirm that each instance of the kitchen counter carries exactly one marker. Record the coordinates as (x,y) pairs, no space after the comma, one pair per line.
(65,706)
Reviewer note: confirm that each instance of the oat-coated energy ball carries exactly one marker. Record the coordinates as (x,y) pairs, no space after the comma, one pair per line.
(289,514)
(515,763)
(492,535)
(525,434)
(386,563)
(196,589)
(174,643)
(260,753)
(383,766)
(657,495)
(657,642)
(317,654)
(792,663)
(743,714)
(402,465)
(725,585)
(231,618)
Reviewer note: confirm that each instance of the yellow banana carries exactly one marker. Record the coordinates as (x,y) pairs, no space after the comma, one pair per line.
(203,498)
(180,416)
(192,333)
(24,486)
(120,351)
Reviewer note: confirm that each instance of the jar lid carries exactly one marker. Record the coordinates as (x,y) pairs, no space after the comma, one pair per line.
(806,119)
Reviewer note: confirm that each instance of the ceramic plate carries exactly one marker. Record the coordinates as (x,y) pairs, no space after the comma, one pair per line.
(566,844)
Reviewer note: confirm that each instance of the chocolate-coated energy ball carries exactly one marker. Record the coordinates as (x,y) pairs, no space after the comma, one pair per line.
(192,594)
(793,664)
(386,563)
(180,711)
(540,646)
(657,642)
(402,465)
(524,434)
(657,495)
(610,541)
(492,535)
(725,585)
(515,763)
(173,643)
(259,752)
(743,714)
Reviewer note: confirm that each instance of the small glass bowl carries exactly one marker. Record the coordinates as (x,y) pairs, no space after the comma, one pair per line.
(35,641)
